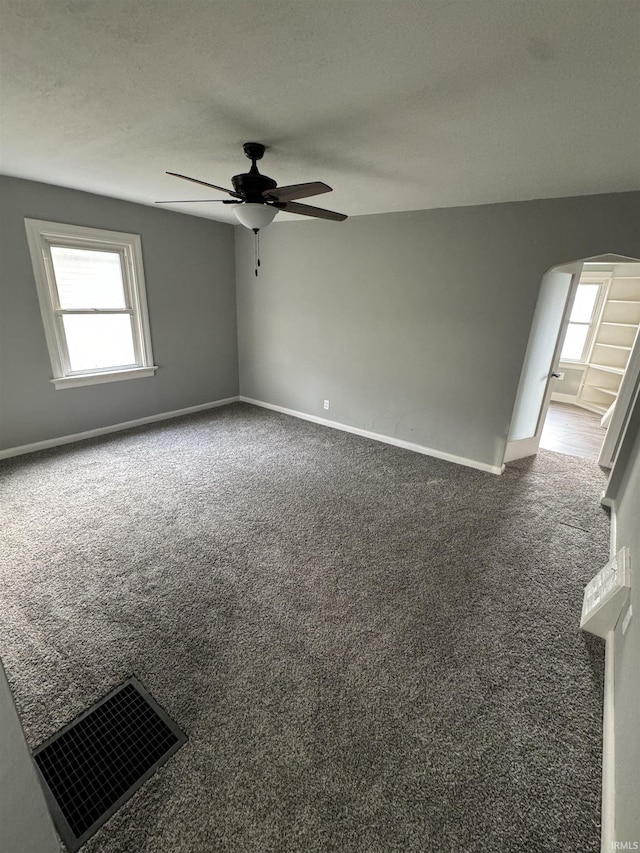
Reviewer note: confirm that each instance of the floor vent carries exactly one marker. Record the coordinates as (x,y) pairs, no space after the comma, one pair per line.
(93,765)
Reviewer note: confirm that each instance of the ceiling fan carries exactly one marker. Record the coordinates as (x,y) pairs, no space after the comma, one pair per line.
(259,198)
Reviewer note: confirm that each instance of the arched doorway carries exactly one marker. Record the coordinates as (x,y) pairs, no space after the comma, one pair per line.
(605,386)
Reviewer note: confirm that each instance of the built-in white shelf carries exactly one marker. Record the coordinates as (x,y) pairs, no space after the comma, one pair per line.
(607,368)
(603,390)
(612,344)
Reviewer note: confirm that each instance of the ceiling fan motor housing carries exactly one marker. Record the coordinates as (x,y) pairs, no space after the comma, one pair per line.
(252,184)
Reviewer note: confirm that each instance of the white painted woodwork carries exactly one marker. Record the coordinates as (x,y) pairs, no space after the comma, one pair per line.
(613,341)
(41,236)
(542,355)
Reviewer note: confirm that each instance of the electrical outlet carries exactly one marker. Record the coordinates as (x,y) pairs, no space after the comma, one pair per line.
(326,405)
(561,376)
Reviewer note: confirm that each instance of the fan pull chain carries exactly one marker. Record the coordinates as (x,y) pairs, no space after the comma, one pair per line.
(256,231)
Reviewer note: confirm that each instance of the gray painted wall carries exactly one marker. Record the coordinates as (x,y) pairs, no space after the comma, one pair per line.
(626,647)
(25,824)
(413,325)
(190,279)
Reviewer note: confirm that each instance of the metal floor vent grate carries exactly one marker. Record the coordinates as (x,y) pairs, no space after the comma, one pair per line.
(93,765)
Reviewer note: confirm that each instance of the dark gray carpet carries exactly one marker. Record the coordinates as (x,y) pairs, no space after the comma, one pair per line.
(370,650)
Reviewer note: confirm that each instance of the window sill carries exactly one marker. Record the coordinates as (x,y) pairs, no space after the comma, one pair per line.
(97,378)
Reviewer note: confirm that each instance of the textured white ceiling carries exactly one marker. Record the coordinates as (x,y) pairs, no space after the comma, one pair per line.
(398,105)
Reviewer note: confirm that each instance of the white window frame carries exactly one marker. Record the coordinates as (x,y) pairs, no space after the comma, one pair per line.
(604,280)
(41,236)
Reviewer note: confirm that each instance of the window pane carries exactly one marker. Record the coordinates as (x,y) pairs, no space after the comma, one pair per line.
(584,304)
(96,341)
(574,342)
(88,279)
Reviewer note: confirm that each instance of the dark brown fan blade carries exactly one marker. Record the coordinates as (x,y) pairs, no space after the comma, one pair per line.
(296,191)
(308,210)
(199,200)
(205,184)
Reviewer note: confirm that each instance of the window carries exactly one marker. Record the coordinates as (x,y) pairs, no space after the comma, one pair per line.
(586,304)
(92,297)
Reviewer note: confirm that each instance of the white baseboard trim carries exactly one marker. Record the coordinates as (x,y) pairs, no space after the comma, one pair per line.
(557,397)
(92,433)
(597,409)
(573,400)
(608,818)
(385,439)
(607,501)
(520,448)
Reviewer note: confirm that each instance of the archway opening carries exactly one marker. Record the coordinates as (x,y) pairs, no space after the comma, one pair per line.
(581,371)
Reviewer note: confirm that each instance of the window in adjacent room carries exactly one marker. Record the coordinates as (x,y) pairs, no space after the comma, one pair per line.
(582,322)
(92,297)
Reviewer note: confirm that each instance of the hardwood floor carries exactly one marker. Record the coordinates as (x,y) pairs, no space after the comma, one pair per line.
(572,430)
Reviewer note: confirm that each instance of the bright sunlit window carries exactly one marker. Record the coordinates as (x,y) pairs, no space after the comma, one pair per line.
(91,290)
(581,322)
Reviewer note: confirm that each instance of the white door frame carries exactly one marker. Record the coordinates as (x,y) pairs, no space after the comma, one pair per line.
(520,448)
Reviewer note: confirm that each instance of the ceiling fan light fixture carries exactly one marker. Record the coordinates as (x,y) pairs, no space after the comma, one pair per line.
(255,216)
(258,198)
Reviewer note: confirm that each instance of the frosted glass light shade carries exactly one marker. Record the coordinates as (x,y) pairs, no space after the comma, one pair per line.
(255,216)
